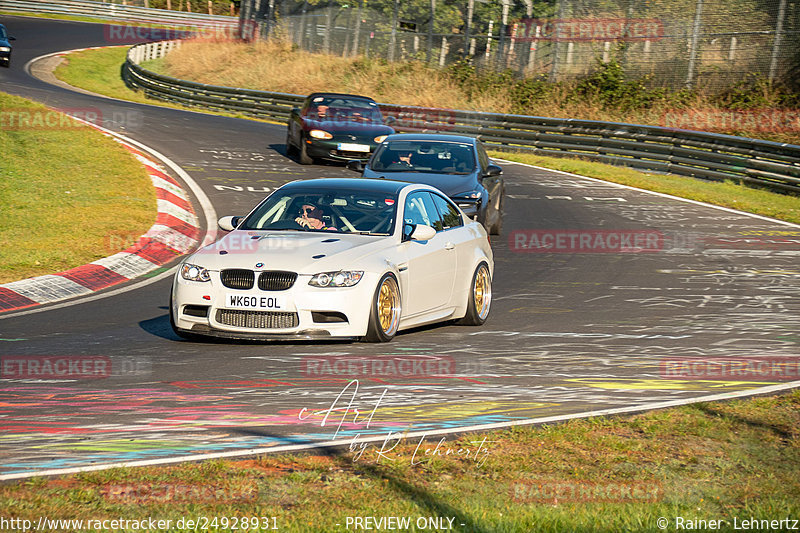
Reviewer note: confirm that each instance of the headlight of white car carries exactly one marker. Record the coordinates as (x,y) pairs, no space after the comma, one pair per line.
(194,273)
(342,278)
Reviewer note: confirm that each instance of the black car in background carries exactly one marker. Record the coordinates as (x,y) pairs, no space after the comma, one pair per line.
(456,165)
(5,47)
(337,127)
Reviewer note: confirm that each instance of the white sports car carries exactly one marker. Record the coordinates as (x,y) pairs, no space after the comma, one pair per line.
(337,258)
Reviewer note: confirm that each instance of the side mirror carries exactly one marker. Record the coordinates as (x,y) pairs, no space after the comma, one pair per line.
(493,170)
(229,223)
(10,38)
(421,232)
(295,111)
(389,120)
(355,165)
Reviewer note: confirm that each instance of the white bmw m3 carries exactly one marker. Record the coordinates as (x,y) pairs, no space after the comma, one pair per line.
(337,258)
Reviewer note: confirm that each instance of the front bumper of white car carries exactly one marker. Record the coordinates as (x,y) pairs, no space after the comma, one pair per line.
(298,312)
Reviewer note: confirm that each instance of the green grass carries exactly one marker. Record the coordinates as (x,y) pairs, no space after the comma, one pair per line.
(68,194)
(725,194)
(704,461)
(98,71)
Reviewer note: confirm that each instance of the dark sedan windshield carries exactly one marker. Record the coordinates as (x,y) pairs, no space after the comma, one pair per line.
(3,34)
(438,157)
(325,210)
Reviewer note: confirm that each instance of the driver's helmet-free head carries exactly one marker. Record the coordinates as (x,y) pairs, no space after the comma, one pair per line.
(311,210)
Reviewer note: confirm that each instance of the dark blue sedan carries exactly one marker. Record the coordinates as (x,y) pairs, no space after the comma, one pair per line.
(5,46)
(456,165)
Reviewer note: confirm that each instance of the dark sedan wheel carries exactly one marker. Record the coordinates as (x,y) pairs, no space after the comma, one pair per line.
(479,300)
(497,227)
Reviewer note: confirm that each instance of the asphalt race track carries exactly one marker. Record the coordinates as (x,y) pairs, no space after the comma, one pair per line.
(570,332)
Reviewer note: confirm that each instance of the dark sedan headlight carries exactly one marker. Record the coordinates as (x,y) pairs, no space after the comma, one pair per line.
(380,138)
(320,134)
(194,273)
(468,199)
(5,48)
(341,278)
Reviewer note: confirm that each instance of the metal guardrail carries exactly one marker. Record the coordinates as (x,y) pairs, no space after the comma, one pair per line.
(120,12)
(688,153)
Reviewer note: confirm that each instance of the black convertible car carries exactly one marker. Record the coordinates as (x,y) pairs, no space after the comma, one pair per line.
(456,165)
(335,126)
(5,47)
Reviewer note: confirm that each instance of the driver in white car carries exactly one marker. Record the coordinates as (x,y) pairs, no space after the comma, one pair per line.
(311,217)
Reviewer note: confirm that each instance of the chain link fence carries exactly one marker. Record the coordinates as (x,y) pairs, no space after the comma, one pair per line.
(671,43)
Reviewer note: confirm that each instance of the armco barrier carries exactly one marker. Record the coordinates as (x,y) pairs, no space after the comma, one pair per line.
(118,12)
(689,153)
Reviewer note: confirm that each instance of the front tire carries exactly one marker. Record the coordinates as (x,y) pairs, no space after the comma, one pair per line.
(497,227)
(290,148)
(304,158)
(384,317)
(479,299)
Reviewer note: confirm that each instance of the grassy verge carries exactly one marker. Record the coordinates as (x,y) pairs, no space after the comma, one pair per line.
(700,462)
(98,71)
(68,194)
(727,194)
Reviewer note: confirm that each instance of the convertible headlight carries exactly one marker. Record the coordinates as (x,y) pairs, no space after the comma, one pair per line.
(5,49)
(320,134)
(380,138)
(342,278)
(194,273)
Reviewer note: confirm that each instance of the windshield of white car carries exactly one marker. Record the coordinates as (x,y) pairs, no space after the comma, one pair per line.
(435,157)
(325,211)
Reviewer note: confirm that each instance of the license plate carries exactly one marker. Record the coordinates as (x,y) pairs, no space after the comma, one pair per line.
(347,147)
(261,303)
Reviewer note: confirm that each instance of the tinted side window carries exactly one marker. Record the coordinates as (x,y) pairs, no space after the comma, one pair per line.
(483,157)
(420,209)
(451,218)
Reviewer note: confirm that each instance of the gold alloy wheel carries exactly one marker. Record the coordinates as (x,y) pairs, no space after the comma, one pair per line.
(482,292)
(389,306)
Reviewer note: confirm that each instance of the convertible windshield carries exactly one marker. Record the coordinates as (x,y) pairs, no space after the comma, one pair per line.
(329,211)
(424,156)
(344,110)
